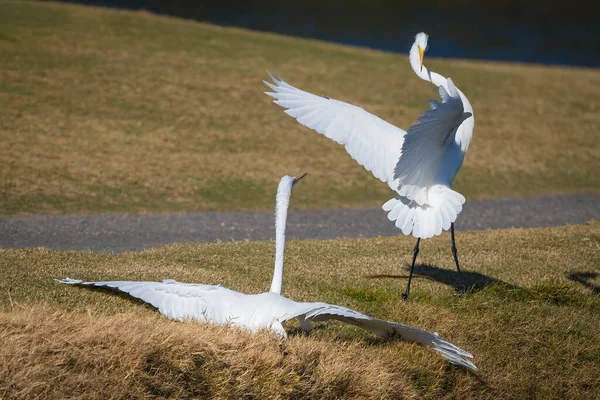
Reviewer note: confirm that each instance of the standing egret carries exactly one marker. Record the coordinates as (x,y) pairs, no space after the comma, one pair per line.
(219,305)
(419,164)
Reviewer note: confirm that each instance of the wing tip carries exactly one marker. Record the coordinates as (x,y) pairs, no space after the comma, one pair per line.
(270,85)
(69,281)
(277,79)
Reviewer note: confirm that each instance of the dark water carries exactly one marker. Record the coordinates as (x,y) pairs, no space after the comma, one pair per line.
(545,32)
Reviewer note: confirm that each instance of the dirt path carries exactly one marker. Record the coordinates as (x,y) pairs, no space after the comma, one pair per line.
(120,232)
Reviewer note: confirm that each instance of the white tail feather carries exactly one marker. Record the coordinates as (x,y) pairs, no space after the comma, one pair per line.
(426,220)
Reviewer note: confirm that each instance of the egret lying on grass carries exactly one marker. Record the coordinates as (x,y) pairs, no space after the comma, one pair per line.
(419,164)
(270,310)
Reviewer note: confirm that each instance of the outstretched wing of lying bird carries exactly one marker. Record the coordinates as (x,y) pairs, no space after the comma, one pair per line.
(318,312)
(175,300)
(219,305)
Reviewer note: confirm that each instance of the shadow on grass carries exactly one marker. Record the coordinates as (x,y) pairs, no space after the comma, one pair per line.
(297,331)
(584,278)
(552,291)
(474,281)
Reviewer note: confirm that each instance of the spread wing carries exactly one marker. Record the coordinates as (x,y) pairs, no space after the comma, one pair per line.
(424,145)
(315,312)
(372,142)
(173,299)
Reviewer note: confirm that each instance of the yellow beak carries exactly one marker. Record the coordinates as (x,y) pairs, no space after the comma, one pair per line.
(421,54)
(298,177)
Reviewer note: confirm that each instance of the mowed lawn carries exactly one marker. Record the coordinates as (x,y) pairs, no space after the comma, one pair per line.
(106,110)
(530,320)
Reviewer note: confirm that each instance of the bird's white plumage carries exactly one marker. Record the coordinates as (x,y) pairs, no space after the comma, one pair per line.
(425,145)
(372,142)
(219,305)
(420,164)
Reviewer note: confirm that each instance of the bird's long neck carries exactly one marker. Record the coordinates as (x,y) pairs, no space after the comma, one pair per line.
(465,130)
(424,73)
(282,203)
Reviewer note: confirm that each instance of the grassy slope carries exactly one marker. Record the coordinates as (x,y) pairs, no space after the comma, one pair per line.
(531,321)
(105,110)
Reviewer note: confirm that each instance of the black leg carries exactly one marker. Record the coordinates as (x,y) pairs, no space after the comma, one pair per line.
(454,253)
(412,267)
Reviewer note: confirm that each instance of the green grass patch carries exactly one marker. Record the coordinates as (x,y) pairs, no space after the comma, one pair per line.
(107,110)
(530,319)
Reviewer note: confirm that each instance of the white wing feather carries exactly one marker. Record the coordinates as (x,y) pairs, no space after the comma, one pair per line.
(173,299)
(208,303)
(315,312)
(372,142)
(424,145)
(419,164)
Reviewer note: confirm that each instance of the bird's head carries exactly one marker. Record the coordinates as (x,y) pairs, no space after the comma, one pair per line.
(421,42)
(284,190)
(287,183)
(297,178)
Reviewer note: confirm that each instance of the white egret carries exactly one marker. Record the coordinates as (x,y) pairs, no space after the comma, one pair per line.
(219,305)
(419,164)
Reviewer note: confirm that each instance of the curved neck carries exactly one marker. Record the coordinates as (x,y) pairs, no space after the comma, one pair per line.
(465,130)
(424,73)
(282,203)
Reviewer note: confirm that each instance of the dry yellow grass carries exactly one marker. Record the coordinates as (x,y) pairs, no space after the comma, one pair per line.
(531,321)
(50,353)
(108,110)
